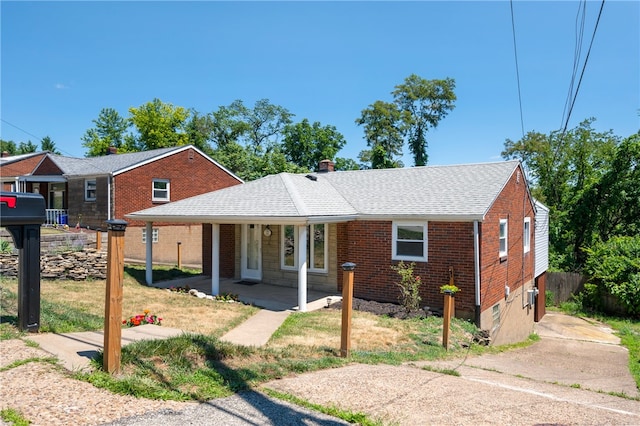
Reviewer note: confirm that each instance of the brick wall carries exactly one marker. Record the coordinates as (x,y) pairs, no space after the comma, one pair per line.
(189,174)
(227,250)
(516,269)
(369,245)
(89,213)
(20,168)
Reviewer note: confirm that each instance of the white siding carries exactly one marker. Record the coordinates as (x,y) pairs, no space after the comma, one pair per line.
(541,238)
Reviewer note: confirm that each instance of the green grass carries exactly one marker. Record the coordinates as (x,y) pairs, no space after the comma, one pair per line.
(160,273)
(14,417)
(346,415)
(20,362)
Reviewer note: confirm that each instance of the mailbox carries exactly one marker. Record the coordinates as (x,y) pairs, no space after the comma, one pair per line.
(22,214)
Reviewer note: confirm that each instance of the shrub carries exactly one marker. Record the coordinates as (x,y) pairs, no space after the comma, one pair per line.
(614,267)
(409,286)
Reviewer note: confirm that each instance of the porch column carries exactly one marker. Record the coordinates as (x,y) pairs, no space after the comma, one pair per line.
(149,255)
(302,268)
(215,259)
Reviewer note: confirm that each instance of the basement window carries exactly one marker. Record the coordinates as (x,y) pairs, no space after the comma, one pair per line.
(154,235)
(409,241)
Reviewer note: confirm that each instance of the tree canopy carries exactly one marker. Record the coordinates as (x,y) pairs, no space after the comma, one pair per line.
(590,182)
(418,105)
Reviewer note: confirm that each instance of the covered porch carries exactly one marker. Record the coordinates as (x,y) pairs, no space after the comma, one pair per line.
(266,296)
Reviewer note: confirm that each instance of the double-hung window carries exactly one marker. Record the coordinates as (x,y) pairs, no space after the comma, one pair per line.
(89,189)
(409,241)
(316,248)
(526,237)
(504,232)
(161,189)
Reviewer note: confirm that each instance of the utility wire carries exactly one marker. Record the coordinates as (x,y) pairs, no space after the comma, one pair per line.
(515,53)
(584,67)
(22,130)
(577,53)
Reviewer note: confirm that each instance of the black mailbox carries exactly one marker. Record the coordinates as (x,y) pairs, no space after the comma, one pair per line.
(22,214)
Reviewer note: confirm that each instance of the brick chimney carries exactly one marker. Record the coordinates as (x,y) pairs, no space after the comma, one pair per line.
(326,166)
(112,150)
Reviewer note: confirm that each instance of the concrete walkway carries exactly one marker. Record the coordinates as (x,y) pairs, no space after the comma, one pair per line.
(75,350)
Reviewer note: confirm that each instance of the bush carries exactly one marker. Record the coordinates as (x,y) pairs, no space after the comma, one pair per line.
(614,267)
(409,286)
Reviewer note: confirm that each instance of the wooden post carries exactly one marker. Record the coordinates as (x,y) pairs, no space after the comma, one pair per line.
(446,319)
(98,240)
(113,300)
(452,284)
(179,255)
(347,303)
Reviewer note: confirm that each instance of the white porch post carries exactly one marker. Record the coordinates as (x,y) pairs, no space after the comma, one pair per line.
(149,255)
(215,259)
(302,268)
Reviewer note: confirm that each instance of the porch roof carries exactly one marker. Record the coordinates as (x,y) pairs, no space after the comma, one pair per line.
(452,193)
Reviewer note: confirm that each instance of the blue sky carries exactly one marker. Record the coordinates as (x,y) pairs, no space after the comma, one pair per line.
(62,62)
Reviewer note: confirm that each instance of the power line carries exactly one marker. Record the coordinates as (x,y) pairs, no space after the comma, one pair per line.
(515,53)
(584,67)
(21,129)
(582,7)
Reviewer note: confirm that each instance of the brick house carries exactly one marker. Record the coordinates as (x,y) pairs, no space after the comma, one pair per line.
(86,192)
(473,221)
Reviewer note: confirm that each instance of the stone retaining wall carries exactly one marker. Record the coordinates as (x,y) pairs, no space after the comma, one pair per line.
(72,265)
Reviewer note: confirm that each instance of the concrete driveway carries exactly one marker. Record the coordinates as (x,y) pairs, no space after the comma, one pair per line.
(565,378)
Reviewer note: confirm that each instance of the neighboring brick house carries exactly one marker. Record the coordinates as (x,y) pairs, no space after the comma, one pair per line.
(86,192)
(473,221)
(13,169)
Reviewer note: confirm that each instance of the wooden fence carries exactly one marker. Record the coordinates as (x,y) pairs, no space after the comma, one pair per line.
(563,285)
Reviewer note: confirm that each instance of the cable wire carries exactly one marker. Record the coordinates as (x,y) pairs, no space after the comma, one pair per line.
(515,53)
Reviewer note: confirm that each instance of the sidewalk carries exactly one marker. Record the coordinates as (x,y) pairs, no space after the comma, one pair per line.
(75,350)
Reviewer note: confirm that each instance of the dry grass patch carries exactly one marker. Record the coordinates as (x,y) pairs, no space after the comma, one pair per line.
(176,310)
(323,328)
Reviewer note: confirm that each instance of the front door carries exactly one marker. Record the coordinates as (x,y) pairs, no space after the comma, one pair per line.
(251,258)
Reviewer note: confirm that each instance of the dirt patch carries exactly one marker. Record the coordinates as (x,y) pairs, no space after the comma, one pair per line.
(392,310)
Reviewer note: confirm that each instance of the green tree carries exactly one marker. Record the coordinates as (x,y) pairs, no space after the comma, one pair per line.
(110,130)
(199,130)
(423,104)
(8,146)
(383,131)
(307,144)
(47,144)
(159,125)
(563,168)
(263,124)
(227,124)
(344,164)
(614,266)
(27,147)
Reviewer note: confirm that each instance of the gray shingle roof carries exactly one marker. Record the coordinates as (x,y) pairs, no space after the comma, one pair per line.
(107,164)
(463,192)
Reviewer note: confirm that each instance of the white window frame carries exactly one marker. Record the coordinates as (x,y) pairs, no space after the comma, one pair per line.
(505,237)
(526,237)
(154,189)
(310,254)
(293,267)
(425,241)
(155,233)
(87,188)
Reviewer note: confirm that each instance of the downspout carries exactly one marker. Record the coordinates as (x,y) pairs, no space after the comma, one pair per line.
(476,265)
(109,183)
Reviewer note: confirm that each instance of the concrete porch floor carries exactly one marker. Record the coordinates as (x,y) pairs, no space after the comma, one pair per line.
(269,297)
